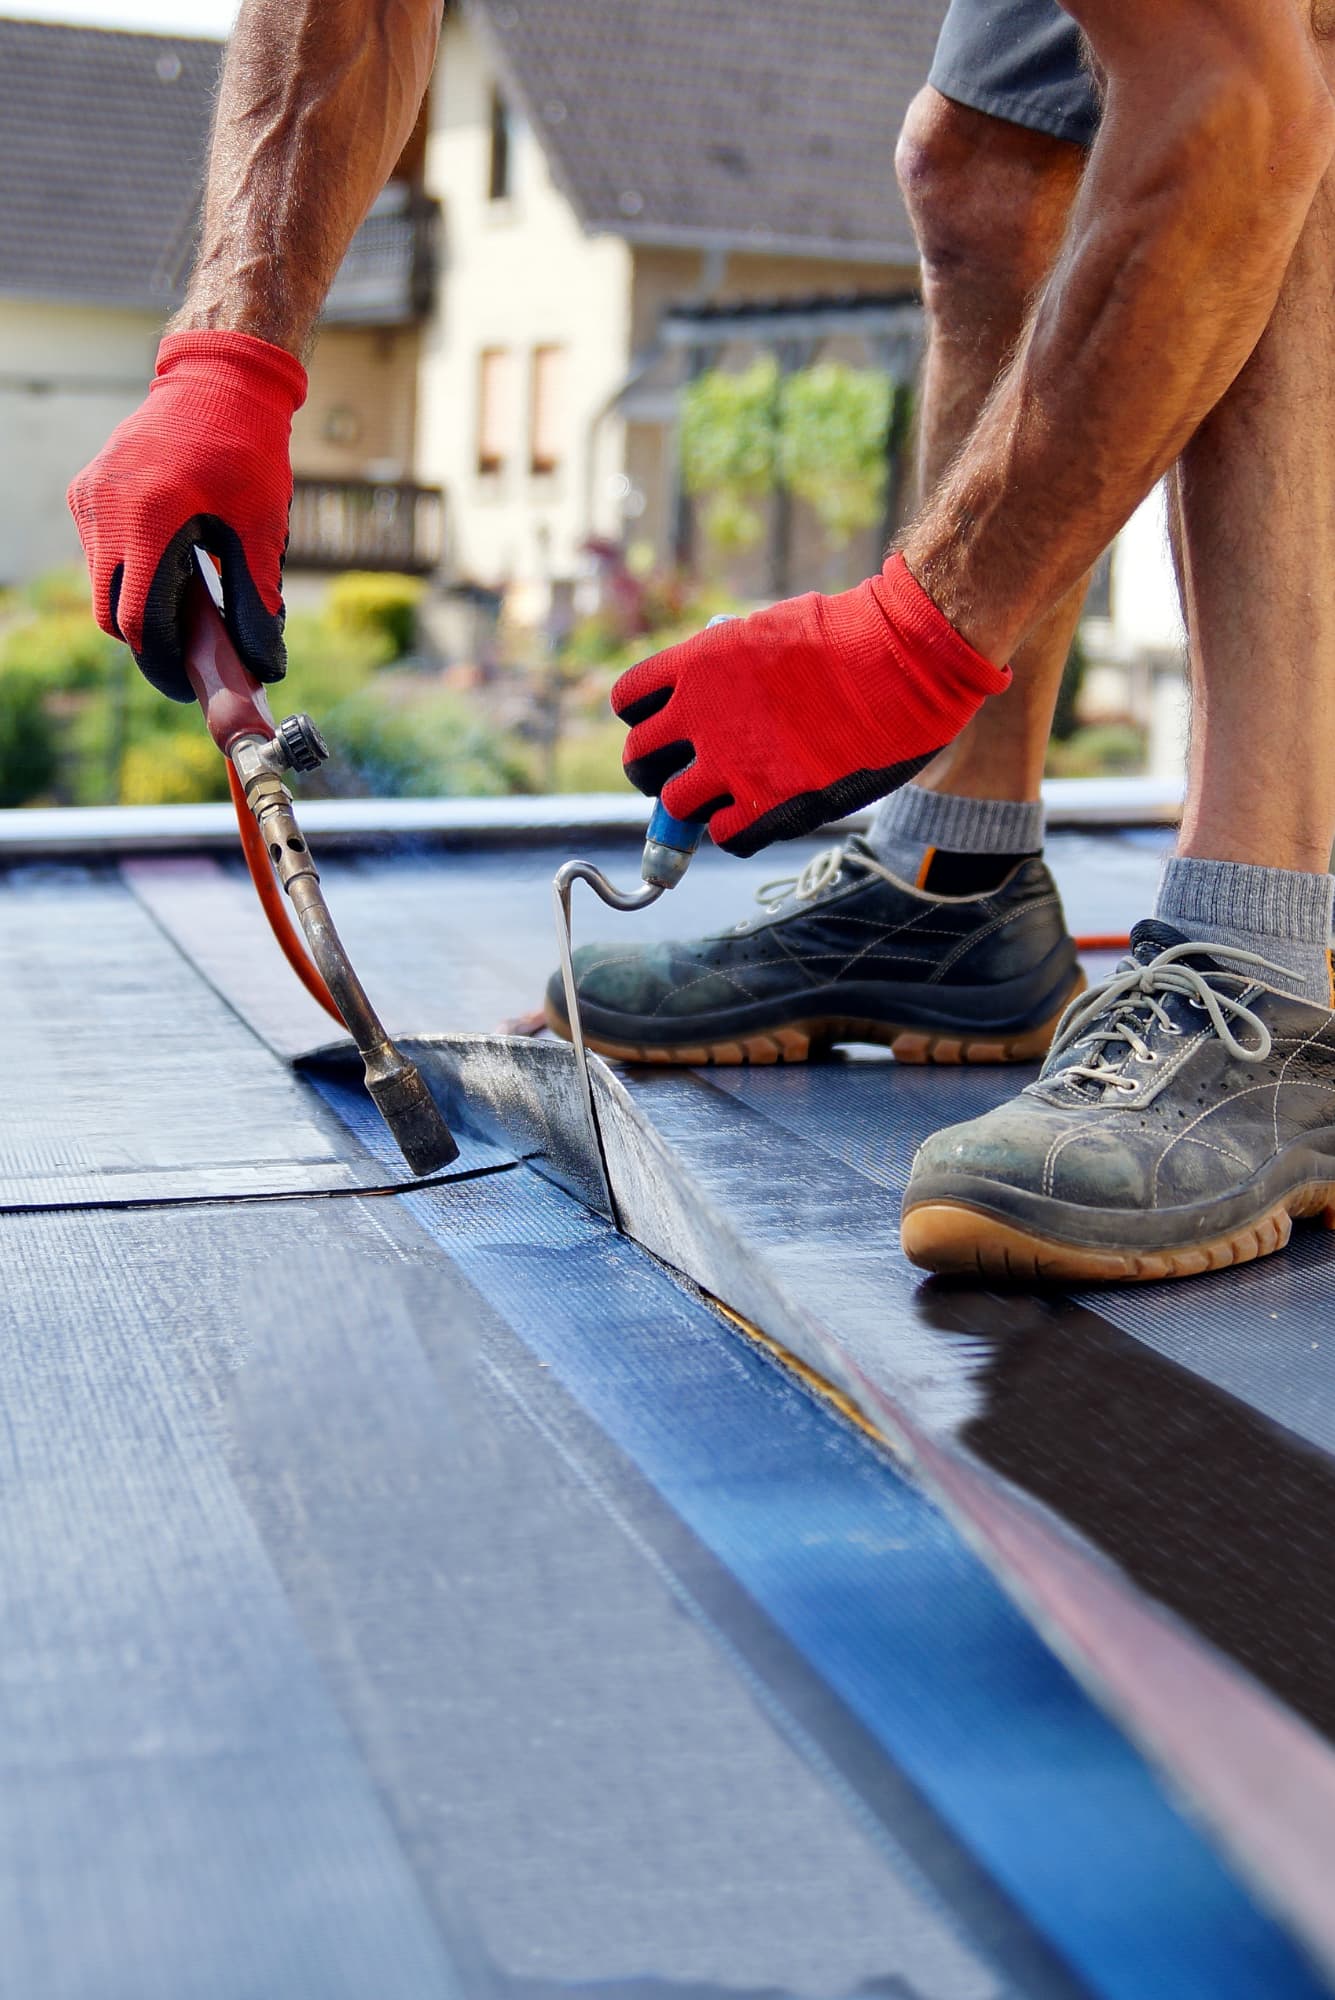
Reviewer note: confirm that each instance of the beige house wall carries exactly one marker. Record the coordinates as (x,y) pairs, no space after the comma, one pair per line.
(666,278)
(518,274)
(68,374)
(360,416)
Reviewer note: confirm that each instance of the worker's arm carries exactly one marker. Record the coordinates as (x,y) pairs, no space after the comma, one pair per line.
(317,100)
(1218,130)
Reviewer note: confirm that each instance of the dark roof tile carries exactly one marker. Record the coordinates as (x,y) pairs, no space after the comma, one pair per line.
(764,123)
(761,122)
(102,140)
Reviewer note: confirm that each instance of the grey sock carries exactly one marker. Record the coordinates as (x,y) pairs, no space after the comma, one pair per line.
(911,823)
(1278,913)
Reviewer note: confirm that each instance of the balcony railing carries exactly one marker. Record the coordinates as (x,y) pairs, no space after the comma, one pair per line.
(362,524)
(388,276)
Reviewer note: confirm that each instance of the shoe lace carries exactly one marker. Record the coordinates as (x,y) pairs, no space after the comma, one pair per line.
(1119,1013)
(821,873)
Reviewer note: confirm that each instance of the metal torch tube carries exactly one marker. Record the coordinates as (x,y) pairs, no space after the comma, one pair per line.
(395,1084)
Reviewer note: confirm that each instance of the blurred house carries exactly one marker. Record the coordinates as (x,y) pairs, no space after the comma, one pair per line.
(102,144)
(607,169)
(601,199)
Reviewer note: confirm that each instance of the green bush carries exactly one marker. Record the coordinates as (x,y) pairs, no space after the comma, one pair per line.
(29,745)
(363,602)
(64,650)
(326,663)
(1101,749)
(60,592)
(834,423)
(78,720)
(589,759)
(406,743)
(107,722)
(179,768)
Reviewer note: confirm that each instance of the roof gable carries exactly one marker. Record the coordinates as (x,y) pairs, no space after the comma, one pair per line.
(102,141)
(765,124)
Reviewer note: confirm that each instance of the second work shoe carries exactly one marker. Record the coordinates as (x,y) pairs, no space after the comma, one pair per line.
(1184,1120)
(844,952)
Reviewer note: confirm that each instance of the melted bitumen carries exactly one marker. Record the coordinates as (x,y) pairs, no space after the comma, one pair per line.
(1213,1509)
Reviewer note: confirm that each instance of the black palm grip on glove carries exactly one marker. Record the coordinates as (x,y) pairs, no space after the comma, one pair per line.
(203,462)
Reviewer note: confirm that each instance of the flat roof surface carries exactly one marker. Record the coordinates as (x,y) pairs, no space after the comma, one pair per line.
(426,1590)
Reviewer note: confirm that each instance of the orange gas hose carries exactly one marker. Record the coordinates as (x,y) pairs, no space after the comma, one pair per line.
(272,901)
(294,951)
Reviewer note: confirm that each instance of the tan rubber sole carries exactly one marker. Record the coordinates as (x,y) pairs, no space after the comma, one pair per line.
(798,1040)
(954,1240)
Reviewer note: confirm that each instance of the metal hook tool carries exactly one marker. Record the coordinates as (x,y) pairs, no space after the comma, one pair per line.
(616,899)
(669,845)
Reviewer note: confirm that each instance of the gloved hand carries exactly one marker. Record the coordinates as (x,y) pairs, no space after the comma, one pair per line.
(204,459)
(770,725)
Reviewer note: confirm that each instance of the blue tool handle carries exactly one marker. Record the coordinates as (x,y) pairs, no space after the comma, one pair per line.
(668,847)
(669,843)
(685,834)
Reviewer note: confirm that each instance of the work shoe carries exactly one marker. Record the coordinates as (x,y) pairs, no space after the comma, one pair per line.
(843,952)
(1184,1118)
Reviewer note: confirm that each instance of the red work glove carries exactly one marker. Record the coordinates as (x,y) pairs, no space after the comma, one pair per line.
(770,725)
(204,459)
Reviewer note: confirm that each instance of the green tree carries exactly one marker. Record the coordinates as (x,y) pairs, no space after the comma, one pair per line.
(29,754)
(729,448)
(1066,713)
(834,421)
(397,740)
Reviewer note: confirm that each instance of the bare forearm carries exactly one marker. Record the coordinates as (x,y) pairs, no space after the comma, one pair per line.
(318,98)
(1177,247)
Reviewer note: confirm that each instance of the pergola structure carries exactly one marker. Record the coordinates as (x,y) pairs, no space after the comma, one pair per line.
(695,338)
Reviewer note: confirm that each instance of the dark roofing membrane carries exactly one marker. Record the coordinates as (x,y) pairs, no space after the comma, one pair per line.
(428,1593)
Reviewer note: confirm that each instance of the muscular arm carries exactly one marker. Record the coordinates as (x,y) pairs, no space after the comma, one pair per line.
(318,98)
(1217,131)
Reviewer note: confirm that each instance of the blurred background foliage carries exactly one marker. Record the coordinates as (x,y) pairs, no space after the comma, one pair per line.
(80,726)
(820,431)
(730,449)
(833,423)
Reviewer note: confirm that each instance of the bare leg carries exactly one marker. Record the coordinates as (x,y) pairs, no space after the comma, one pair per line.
(1217,131)
(989,202)
(1257,547)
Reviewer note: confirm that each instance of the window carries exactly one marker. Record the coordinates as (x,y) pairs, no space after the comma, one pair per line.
(495,401)
(499,161)
(546,409)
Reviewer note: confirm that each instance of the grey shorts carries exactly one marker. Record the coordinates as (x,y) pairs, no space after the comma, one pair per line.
(1019,60)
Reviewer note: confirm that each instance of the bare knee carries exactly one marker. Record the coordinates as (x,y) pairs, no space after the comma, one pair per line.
(988,201)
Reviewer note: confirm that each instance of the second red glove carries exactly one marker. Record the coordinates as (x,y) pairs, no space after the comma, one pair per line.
(204,460)
(769,726)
